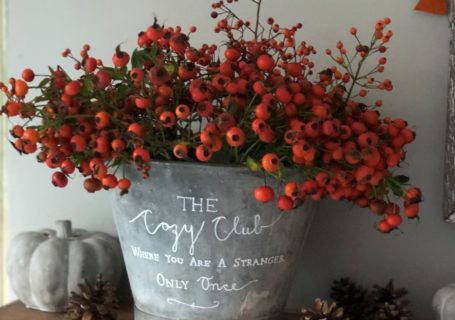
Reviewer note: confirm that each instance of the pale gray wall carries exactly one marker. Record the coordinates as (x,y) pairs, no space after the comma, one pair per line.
(342,240)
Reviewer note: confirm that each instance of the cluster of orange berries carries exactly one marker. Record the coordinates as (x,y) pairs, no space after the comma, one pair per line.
(255,106)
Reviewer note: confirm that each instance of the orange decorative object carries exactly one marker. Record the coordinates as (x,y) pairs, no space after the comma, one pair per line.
(433,6)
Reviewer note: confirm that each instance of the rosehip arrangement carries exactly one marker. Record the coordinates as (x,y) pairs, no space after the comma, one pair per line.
(253,102)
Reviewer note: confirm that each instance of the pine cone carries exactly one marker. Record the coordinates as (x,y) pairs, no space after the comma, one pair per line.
(93,303)
(350,296)
(390,311)
(323,311)
(387,303)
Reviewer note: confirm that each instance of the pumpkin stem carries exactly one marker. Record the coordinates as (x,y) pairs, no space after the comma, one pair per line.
(64,229)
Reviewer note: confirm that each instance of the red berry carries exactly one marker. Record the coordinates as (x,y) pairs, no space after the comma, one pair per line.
(90,65)
(30,136)
(59,179)
(141,156)
(68,166)
(182,111)
(285,203)
(203,153)
(265,62)
(109,181)
(73,88)
(102,120)
(411,210)
(118,145)
(78,143)
(20,88)
(124,185)
(232,54)
(142,102)
(104,79)
(235,137)
(394,220)
(384,227)
(28,75)
(92,185)
(180,151)
(120,58)
(264,193)
(291,189)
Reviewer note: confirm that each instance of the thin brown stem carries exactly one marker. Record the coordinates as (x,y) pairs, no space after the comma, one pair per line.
(258,14)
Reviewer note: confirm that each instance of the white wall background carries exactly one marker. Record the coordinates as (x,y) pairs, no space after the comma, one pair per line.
(342,240)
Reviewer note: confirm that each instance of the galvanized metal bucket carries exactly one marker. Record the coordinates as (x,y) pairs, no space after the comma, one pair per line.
(197,245)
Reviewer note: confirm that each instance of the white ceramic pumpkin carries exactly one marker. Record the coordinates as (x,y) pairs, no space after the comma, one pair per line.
(45,266)
(444,302)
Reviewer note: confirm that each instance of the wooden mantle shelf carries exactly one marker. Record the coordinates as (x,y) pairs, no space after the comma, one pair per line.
(17,311)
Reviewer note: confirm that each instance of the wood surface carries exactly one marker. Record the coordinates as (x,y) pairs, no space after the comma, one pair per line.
(17,311)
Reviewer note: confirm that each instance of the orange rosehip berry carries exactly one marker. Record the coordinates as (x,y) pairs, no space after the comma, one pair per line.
(67,166)
(232,54)
(267,136)
(124,185)
(120,58)
(118,145)
(73,88)
(204,153)
(13,108)
(17,131)
(384,226)
(28,75)
(180,151)
(20,88)
(285,203)
(140,155)
(109,181)
(291,189)
(264,194)
(270,162)
(102,120)
(136,74)
(413,195)
(136,129)
(411,211)
(394,220)
(265,62)
(235,137)
(59,179)
(30,136)
(142,102)
(182,111)
(168,119)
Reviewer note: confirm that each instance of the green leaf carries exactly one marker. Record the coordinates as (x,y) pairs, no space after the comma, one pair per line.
(397,190)
(170,68)
(116,73)
(137,58)
(87,86)
(401,179)
(252,164)
(44,82)
(122,92)
(110,70)
(150,53)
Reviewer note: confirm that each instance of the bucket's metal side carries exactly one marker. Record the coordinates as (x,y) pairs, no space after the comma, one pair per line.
(197,245)
(139,315)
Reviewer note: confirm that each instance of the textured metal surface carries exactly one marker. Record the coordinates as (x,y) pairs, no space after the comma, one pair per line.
(197,245)
(449,187)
